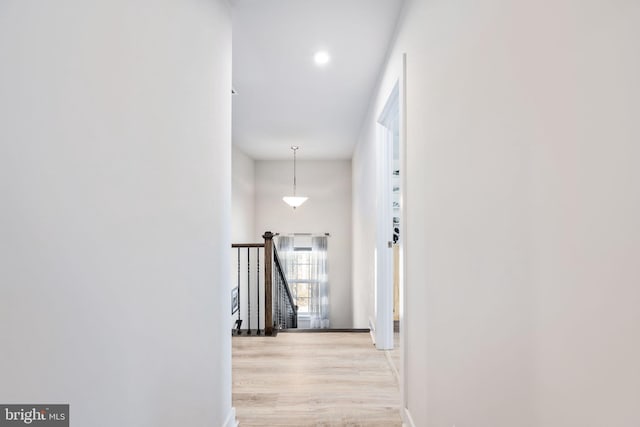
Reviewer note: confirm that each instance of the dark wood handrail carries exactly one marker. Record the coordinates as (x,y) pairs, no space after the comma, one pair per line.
(247,245)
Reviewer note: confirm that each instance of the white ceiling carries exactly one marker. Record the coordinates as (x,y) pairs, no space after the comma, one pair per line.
(283,98)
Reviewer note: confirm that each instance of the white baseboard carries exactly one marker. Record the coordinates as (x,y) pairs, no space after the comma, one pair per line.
(231,419)
(407,421)
(392,366)
(372,330)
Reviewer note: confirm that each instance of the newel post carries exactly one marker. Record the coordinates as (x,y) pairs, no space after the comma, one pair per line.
(268,277)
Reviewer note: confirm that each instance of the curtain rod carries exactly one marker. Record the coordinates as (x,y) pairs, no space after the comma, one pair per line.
(307,234)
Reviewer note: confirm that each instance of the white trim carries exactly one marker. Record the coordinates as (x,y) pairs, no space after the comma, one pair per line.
(407,421)
(388,121)
(231,419)
(372,330)
(391,110)
(404,235)
(392,366)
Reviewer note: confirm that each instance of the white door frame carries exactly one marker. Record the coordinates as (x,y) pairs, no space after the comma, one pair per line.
(395,105)
(388,123)
(402,241)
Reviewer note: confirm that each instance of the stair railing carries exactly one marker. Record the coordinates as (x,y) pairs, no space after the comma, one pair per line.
(285,315)
(267,304)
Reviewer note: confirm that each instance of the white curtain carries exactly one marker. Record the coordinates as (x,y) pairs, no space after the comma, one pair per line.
(318,278)
(284,244)
(319,291)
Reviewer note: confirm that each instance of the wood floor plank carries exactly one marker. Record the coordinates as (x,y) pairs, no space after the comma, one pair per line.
(316,379)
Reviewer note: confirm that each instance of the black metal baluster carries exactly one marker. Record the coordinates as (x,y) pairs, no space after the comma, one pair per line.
(239,320)
(280,307)
(249,290)
(279,302)
(258,285)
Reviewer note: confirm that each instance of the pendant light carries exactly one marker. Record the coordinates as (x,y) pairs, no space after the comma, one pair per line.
(294,201)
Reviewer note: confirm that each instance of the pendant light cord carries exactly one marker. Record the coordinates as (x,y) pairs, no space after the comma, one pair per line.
(294,201)
(294,148)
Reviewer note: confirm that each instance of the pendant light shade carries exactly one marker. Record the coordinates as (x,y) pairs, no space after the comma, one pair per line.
(294,201)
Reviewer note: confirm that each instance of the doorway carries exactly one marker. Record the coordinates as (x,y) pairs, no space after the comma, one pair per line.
(388,223)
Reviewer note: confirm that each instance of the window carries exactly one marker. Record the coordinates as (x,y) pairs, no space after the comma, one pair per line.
(299,275)
(304,259)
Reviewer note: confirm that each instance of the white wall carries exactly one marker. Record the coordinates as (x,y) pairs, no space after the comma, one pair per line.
(522,227)
(242,220)
(327,183)
(364,229)
(243,198)
(115,160)
(585,198)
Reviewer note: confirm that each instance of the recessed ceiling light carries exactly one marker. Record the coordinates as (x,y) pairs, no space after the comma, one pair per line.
(321,57)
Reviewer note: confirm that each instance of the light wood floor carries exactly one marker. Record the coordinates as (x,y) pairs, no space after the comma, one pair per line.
(313,379)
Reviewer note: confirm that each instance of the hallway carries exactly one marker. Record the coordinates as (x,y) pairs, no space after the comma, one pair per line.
(313,379)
